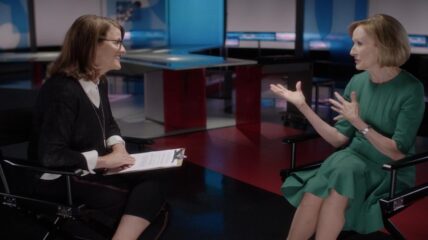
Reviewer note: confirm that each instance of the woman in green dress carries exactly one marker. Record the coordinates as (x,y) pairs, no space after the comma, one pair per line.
(378,118)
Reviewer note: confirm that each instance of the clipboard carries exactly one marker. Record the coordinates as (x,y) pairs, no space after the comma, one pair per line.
(178,154)
(154,160)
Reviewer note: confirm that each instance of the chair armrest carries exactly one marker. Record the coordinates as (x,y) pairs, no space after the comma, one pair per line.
(404,162)
(20,163)
(407,161)
(293,140)
(300,137)
(397,202)
(403,199)
(307,166)
(138,144)
(15,125)
(135,140)
(284,173)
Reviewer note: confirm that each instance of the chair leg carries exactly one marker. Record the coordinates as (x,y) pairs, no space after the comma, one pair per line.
(158,226)
(52,228)
(164,225)
(395,233)
(55,231)
(317,95)
(387,212)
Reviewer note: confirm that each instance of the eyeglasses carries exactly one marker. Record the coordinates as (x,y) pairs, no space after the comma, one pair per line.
(118,43)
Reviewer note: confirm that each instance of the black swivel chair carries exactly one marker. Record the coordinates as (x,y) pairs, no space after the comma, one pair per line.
(55,217)
(396,201)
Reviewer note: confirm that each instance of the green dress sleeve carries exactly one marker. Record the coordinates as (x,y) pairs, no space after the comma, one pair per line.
(409,118)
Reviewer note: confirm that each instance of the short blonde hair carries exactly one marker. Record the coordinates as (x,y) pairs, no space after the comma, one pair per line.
(390,36)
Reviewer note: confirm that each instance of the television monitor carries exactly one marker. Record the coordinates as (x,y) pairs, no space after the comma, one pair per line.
(182,25)
(261,24)
(14,25)
(54,18)
(145,22)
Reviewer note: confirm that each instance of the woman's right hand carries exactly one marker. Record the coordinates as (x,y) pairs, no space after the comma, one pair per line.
(115,160)
(295,97)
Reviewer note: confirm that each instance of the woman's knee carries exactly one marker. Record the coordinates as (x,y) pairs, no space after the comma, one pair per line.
(350,167)
(146,200)
(150,189)
(310,200)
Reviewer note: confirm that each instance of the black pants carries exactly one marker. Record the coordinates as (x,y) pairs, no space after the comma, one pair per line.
(112,195)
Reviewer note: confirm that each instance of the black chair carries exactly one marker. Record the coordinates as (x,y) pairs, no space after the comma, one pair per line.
(60,219)
(396,201)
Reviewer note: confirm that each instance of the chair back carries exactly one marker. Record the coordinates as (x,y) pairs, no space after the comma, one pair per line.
(16,114)
(15,132)
(15,125)
(423,129)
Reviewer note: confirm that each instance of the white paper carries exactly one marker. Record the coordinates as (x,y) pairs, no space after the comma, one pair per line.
(154,160)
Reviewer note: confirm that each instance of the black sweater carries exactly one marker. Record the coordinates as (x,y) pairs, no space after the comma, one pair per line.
(66,123)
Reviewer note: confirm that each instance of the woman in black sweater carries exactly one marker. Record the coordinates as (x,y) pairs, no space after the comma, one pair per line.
(74,128)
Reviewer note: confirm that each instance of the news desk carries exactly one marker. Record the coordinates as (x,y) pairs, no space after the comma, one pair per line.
(175,84)
(175,87)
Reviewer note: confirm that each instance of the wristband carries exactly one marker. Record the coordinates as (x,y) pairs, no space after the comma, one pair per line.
(365,130)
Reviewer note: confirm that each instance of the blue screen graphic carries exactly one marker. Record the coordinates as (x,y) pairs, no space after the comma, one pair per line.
(326,24)
(181,25)
(14,25)
(196,22)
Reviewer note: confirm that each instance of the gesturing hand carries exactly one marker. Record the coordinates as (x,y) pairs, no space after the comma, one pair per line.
(346,110)
(295,97)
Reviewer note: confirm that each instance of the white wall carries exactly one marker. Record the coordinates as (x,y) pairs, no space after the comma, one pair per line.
(279,15)
(54,17)
(413,14)
(261,15)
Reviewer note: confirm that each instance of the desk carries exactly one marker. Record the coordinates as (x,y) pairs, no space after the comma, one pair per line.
(174,88)
(37,59)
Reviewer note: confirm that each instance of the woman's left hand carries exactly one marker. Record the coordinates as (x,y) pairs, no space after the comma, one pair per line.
(346,110)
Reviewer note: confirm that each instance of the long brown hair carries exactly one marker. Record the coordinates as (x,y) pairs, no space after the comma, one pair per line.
(77,55)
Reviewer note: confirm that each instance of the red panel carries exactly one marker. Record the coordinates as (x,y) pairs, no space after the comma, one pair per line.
(248,93)
(184,99)
(38,74)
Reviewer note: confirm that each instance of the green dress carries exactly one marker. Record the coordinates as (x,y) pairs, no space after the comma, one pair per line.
(395,110)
